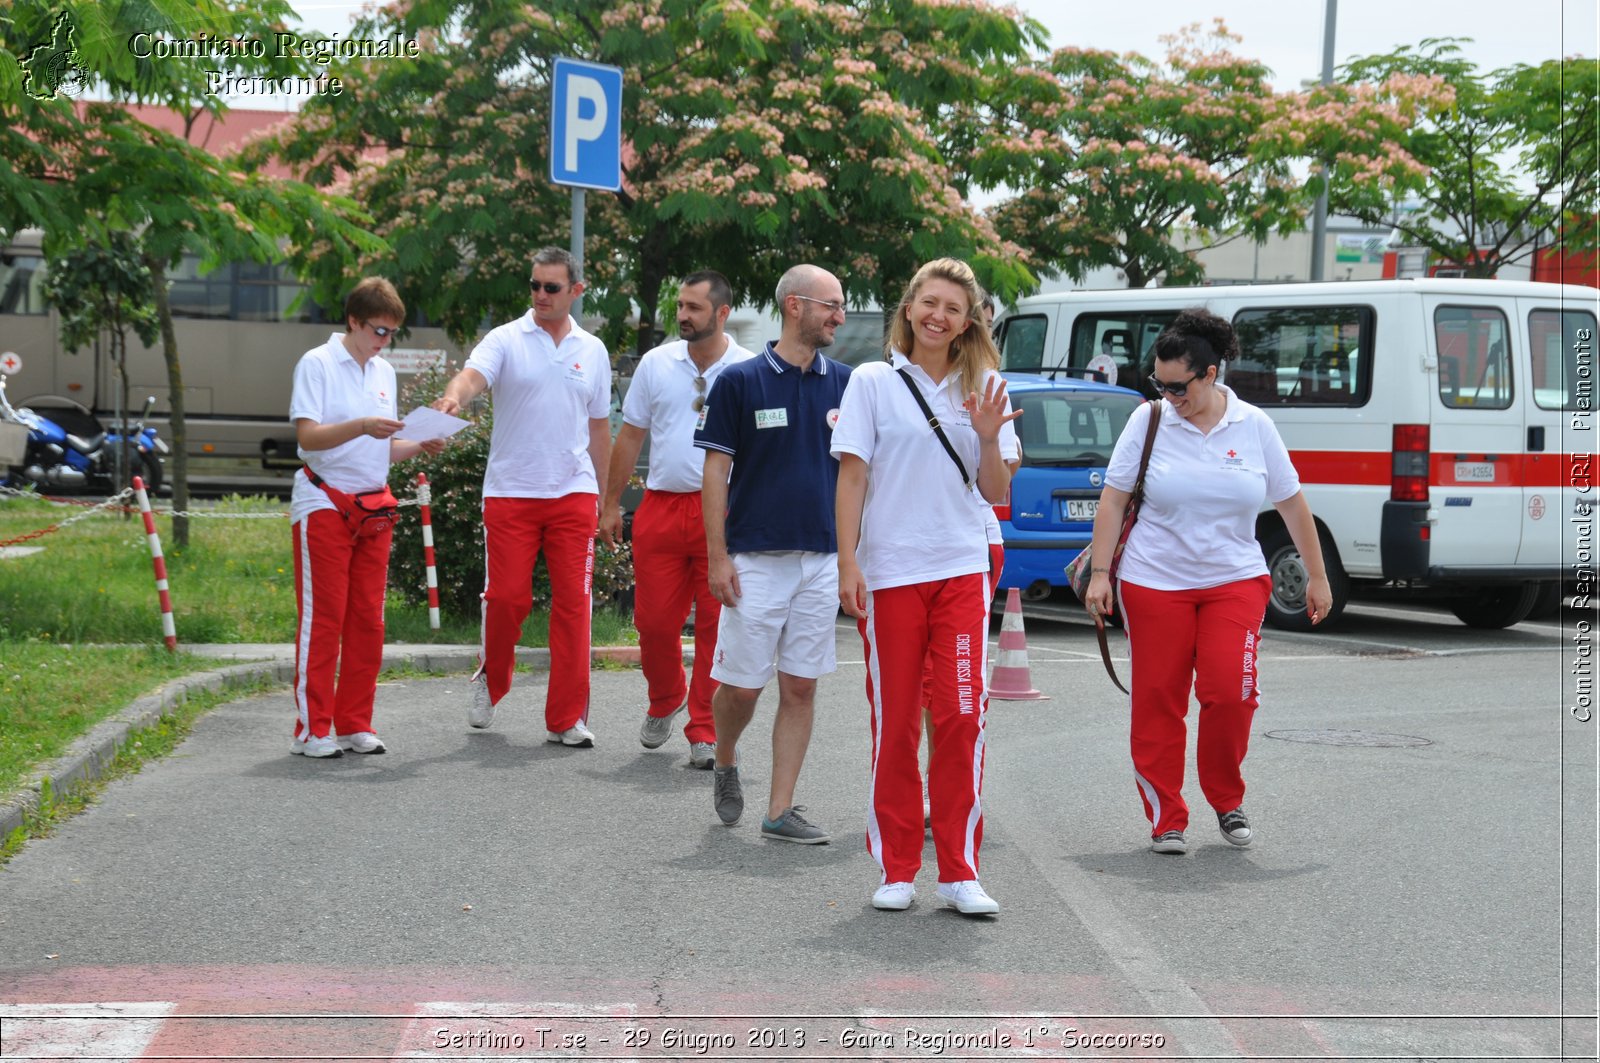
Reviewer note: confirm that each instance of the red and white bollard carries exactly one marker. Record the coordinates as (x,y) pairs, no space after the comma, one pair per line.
(425,503)
(168,631)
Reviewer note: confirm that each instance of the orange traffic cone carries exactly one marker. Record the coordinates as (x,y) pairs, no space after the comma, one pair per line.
(1011,681)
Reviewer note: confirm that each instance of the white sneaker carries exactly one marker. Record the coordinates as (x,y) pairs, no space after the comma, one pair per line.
(315,747)
(577,736)
(362,742)
(968,898)
(702,755)
(655,730)
(480,713)
(893,896)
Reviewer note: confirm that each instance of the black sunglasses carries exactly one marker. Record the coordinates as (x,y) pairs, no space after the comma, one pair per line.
(381,331)
(699,402)
(1177,391)
(550,287)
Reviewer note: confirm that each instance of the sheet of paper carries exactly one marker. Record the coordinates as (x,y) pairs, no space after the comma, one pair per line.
(425,423)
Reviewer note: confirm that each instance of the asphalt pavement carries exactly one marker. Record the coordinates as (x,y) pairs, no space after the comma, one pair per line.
(1422,884)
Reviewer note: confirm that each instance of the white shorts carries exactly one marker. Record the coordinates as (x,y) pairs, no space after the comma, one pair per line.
(784,620)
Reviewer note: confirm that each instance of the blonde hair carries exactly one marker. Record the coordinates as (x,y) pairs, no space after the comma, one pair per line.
(971,353)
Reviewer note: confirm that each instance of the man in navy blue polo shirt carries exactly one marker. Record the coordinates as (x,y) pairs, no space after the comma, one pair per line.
(770,540)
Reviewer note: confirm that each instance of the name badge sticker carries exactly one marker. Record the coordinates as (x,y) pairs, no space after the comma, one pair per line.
(700,421)
(778,418)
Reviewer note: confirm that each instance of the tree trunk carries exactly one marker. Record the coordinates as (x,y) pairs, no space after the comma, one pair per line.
(652,274)
(1135,273)
(179,474)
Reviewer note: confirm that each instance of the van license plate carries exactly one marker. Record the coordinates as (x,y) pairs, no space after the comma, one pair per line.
(1082,508)
(1475,472)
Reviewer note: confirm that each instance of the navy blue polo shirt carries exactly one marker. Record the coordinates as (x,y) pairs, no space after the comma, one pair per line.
(777,423)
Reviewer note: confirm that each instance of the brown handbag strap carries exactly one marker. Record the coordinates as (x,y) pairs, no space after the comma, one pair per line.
(1136,497)
(1105,652)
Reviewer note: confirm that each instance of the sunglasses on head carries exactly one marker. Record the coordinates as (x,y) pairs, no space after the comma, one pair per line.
(383,332)
(1177,391)
(550,287)
(699,402)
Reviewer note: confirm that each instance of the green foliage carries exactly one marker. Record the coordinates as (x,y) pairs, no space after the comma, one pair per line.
(455,479)
(102,287)
(1113,155)
(759,135)
(1511,164)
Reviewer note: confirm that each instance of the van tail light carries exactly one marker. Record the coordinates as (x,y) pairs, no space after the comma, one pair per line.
(1410,471)
(1003,510)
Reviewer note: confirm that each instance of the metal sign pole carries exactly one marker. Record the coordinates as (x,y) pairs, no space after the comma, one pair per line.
(577,245)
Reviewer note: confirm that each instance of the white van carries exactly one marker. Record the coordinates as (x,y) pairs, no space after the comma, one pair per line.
(1443,429)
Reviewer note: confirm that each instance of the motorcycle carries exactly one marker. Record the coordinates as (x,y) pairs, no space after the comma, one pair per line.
(63,461)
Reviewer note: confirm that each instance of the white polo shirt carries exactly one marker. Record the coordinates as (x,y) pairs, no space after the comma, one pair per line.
(545,394)
(1202,494)
(661,400)
(918,523)
(330,387)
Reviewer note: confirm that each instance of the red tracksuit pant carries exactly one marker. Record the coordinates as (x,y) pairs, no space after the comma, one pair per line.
(338,592)
(670,573)
(997,561)
(515,530)
(950,619)
(1205,639)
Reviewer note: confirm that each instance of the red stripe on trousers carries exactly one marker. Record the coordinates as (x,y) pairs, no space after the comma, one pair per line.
(997,561)
(344,631)
(670,573)
(950,619)
(1209,640)
(515,531)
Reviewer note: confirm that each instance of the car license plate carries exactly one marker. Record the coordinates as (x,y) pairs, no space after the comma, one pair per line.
(1082,508)
(1475,472)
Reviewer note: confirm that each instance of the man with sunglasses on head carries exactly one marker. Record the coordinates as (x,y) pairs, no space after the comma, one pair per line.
(548,457)
(771,543)
(667,401)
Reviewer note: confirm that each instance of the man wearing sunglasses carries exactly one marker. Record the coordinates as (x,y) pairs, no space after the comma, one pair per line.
(548,457)
(667,401)
(772,548)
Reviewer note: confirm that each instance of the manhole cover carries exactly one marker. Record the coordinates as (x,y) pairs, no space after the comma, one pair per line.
(1325,737)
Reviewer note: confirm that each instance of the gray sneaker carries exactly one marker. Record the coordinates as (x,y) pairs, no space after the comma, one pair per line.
(727,796)
(655,731)
(1170,843)
(480,713)
(791,826)
(702,755)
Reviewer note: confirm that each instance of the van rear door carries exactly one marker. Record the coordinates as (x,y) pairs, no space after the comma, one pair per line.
(1559,458)
(1478,435)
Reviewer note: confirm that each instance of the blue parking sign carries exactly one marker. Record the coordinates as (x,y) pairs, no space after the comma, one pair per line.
(586,125)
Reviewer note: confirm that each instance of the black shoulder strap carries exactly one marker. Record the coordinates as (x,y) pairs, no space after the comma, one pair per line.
(933,422)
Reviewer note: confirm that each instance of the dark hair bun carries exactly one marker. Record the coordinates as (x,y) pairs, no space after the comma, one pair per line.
(1199,337)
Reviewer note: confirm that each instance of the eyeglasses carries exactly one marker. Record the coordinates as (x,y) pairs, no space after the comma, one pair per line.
(699,402)
(1177,391)
(833,307)
(381,331)
(550,287)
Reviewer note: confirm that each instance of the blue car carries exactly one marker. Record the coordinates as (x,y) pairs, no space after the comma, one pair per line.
(1068,429)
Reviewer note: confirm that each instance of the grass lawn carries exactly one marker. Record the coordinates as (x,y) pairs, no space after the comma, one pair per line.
(80,628)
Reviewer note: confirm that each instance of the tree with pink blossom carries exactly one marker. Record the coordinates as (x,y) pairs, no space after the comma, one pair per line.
(1111,158)
(1512,166)
(757,134)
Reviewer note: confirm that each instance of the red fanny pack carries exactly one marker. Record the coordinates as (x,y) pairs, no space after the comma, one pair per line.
(365,513)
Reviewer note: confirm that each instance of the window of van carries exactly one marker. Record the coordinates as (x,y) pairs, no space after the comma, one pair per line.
(1127,338)
(1474,357)
(1303,356)
(1022,343)
(22,284)
(1557,337)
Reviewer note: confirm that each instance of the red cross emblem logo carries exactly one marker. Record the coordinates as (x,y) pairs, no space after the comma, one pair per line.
(10,362)
(1232,454)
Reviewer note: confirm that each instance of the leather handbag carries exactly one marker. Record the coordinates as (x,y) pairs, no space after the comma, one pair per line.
(1079,571)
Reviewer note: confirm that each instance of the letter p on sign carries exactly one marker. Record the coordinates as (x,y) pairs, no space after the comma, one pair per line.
(586,125)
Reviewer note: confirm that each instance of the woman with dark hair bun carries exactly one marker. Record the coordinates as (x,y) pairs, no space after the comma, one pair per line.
(1192,581)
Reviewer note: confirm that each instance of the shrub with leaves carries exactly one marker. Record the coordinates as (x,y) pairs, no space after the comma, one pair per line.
(456,480)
